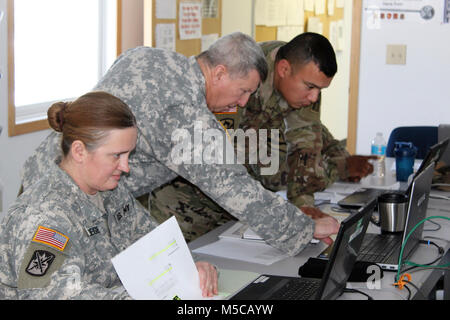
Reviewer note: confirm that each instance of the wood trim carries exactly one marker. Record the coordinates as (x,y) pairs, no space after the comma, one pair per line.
(354,76)
(119,27)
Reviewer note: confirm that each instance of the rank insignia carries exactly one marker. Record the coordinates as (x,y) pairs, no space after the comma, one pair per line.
(40,261)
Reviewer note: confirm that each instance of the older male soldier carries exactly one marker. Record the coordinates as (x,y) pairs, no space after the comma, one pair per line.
(289,100)
(170,93)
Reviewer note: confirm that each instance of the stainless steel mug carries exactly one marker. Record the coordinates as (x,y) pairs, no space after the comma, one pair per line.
(392,208)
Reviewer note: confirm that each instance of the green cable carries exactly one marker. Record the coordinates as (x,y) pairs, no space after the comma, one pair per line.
(406,239)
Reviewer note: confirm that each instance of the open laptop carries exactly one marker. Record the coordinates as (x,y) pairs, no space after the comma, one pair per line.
(360,197)
(443,133)
(384,249)
(338,269)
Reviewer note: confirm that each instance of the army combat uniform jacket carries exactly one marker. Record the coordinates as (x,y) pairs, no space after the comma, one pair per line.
(55,243)
(310,158)
(166,92)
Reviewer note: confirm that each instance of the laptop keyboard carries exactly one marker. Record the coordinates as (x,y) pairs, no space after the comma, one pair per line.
(378,247)
(297,289)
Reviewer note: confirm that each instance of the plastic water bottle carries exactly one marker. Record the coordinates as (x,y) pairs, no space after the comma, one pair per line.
(379,149)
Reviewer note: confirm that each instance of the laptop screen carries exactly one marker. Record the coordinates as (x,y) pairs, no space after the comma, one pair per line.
(417,209)
(345,251)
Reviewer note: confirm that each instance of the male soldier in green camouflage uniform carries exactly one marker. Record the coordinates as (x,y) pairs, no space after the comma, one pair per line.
(170,93)
(310,158)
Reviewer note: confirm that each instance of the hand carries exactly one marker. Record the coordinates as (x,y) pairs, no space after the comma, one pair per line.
(314,213)
(325,227)
(208,278)
(359,167)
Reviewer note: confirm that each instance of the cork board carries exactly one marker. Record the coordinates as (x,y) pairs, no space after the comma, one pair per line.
(265,33)
(190,47)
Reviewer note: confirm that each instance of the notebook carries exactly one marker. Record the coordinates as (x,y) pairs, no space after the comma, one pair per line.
(361,197)
(384,249)
(339,267)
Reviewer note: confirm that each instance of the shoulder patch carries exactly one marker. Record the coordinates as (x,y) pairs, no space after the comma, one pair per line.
(51,237)
(40,261)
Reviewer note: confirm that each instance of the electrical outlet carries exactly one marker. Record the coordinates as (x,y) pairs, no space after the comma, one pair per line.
(396,54)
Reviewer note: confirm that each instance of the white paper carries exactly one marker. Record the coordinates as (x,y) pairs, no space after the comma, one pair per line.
(314,25)
(340,3)
(250,251)
(295,15)
(159,266)
(319,7)
(165,36)
(190,20)
(309,5)
(287,33)
(166,9)
(208,40)
(330,6)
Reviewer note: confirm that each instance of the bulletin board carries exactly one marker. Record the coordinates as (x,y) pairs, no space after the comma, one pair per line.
(267,33)
(211,23)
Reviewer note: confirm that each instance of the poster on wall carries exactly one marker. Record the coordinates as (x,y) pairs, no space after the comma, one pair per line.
(190,20)
(381,12)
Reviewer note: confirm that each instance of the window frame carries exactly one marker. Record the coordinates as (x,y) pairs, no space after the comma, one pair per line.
(15,129)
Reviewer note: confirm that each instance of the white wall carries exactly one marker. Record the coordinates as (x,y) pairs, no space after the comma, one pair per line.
(400,95)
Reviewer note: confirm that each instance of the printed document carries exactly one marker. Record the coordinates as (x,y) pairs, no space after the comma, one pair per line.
(159,266)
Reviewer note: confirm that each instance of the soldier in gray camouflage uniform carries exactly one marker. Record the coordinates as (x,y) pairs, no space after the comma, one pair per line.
(168,93)
(58,238)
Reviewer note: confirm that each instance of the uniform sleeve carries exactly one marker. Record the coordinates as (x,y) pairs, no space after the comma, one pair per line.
(280,223)
(315,159)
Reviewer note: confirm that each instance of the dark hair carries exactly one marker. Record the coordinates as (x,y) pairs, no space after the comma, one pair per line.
(239,53)
(308,47)
(89,118)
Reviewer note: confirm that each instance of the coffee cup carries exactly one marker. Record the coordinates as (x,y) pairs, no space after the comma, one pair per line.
(392,208)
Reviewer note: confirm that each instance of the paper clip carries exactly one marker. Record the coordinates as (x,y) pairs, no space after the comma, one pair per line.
(401,282)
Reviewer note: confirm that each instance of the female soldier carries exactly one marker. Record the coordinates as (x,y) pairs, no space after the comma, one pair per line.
(57,239)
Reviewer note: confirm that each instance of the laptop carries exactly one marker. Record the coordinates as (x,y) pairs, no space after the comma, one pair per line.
(360,197)
(443,133)
(384,249)
(338,269)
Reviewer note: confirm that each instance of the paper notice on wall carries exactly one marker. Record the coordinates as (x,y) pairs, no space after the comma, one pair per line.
(319,7)
(190,20)
(309,5)
(287,33)
(165,36)
(330,6)
(209,8)
(166,9)
(314,25)
(208,40)
(295,15)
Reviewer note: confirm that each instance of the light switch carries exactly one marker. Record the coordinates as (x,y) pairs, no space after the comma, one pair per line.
(396,54)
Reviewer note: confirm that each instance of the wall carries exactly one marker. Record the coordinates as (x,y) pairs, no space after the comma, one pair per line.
(15,150)
(416,93)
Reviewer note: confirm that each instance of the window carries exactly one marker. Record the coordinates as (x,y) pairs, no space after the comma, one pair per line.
(58,50)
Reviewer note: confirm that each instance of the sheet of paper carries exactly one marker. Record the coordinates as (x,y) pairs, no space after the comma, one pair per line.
(250,251)
(309,5)
(159,266)
(340,3)
(166,9)
(319,7)
(295,15)
(165,36)
(314,25)
(190,20)
(287,33)
(330,7)
(208,40)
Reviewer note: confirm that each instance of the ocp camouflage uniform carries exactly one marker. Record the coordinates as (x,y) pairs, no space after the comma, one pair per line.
(310,158)
(166,92)
(75,263)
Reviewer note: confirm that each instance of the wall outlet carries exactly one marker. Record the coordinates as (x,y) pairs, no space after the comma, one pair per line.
(396,54)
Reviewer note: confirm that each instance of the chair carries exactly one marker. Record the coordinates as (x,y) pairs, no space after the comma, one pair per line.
(422,137)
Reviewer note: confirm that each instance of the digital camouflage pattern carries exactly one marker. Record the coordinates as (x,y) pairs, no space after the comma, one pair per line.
(82,270)
(310,158)
(166,92)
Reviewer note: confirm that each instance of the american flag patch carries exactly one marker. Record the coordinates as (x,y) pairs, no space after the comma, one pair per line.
(51,237)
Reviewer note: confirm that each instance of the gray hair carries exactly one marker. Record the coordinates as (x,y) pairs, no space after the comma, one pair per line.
(239,53)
